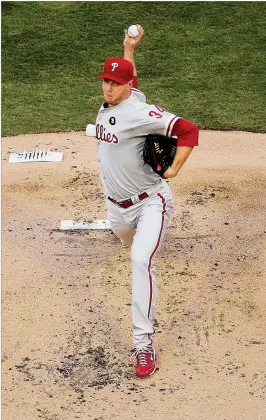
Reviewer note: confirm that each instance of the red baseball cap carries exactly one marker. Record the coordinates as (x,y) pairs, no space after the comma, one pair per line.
(117,69)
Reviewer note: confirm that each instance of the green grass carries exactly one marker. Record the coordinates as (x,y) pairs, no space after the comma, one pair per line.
(204,61)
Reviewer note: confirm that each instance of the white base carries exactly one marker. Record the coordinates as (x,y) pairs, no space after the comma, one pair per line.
(83,224)
(35,155)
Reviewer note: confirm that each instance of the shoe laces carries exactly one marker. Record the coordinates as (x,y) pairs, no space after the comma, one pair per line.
(141,355)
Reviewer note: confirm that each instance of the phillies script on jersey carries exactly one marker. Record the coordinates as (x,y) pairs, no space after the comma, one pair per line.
(103,136)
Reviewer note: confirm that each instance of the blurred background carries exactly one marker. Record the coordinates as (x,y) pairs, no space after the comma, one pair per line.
(204,61)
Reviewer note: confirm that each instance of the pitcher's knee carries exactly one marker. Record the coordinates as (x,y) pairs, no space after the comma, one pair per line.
(126,243)
(125,235)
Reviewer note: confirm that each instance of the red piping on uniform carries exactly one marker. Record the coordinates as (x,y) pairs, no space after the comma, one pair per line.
(155,249)
(168,131)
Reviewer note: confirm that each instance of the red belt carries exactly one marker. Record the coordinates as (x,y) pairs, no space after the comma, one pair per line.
(128,203)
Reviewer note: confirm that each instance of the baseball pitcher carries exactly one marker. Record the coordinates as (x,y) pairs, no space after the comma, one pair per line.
(139,200)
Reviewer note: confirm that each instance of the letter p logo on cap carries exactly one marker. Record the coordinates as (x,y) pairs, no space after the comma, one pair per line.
(114,66)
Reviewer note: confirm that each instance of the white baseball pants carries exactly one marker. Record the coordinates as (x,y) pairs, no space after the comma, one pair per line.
(143,225)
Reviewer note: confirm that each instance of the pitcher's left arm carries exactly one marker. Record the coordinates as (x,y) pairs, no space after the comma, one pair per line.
(188,135)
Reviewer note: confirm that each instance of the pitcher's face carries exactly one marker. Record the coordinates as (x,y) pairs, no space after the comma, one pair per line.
(114,93)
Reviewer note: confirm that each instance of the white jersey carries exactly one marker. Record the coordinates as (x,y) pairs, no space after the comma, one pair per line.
(121,131)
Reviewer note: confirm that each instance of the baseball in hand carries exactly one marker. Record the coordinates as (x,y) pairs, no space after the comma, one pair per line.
(133,31)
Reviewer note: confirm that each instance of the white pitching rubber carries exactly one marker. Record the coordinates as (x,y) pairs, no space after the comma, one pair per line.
(83,224)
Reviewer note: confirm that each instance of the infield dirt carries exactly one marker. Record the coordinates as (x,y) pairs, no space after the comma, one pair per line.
(66,319)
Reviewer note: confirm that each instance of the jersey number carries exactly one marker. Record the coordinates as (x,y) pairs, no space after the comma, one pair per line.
(155,114)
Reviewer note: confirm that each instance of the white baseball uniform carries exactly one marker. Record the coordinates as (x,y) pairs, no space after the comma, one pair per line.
(121,131)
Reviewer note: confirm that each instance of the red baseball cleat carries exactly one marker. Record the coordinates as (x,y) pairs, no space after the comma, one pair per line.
(145,363)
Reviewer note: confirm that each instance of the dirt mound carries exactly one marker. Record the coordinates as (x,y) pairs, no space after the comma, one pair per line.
(66,319)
